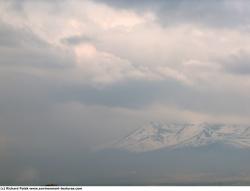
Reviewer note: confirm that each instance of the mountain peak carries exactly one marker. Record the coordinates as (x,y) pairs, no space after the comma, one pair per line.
(157,135)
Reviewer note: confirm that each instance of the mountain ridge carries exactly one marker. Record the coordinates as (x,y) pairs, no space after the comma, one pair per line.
(155,136)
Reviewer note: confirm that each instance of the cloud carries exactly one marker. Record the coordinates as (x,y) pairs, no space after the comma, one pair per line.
(104,53)
(90,71)
(20,47)
(224,13)
(124,58)
(130,94)
(76,40)
(238,63)
(16,37)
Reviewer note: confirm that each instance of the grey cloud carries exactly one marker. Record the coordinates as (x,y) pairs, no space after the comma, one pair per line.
(19,5)
(19,47)
(210,13)
(140,94)
(130,94)
(138,5)
(75,40)
(18,37)
(33,59)
(238,64)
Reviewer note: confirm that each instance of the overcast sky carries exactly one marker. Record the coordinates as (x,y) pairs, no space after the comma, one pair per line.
(91,71)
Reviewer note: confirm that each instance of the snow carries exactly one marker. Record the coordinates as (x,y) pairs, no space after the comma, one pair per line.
(156,135)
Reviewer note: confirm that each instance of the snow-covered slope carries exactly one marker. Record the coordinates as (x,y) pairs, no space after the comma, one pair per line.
(157,136)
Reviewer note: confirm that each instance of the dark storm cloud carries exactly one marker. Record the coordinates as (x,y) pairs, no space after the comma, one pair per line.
(214,13)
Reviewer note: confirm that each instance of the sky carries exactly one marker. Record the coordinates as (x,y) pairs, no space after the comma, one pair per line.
(77,74)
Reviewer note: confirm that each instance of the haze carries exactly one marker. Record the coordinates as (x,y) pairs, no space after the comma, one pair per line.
(75,75)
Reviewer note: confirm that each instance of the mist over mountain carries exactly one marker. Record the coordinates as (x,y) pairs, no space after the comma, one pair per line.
(154,154)
(179,154)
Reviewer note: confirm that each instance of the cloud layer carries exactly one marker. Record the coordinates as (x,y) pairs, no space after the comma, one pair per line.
(94,70)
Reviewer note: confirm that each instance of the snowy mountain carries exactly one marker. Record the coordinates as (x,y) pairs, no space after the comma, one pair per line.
(171,136)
